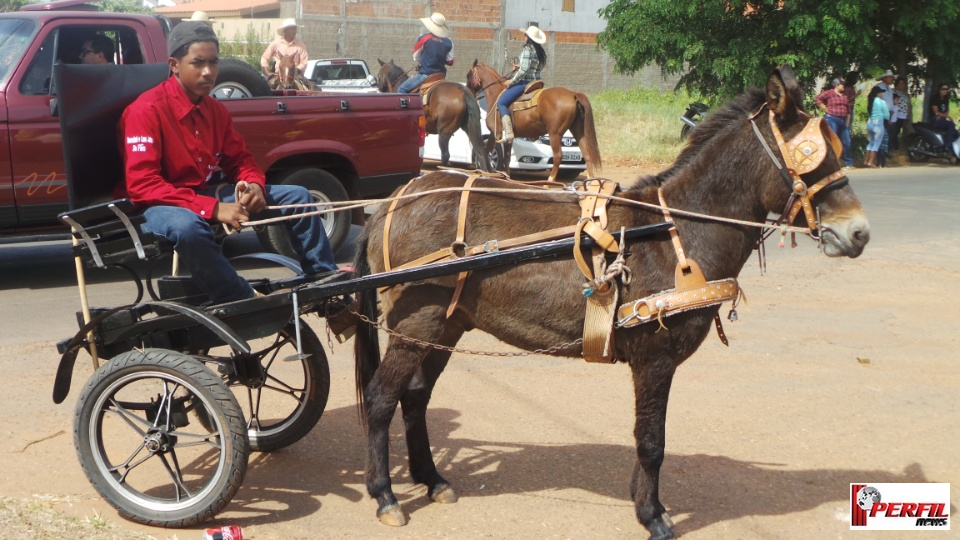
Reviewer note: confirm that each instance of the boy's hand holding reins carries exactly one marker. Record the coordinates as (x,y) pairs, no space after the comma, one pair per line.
(250,200)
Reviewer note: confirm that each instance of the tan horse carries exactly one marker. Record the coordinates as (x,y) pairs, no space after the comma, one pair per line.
(556,111)
(287,76)
(448,106)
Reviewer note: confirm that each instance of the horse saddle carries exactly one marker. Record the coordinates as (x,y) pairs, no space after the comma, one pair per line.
(529,98)
(428,84)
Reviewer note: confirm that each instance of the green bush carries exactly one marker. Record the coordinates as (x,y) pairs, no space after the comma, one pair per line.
(247,46)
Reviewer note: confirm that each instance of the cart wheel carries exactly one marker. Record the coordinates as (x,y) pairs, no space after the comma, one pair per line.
(293,395)
(141,448)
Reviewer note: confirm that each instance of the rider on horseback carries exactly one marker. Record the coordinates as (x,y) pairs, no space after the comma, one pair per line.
(286,44)
(434,52)
(532,60)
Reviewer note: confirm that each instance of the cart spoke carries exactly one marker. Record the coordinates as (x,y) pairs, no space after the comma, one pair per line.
(175,474)
(127,466)
(129,418)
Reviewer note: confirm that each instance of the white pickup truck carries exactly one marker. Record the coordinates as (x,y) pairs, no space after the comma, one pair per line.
(341,75)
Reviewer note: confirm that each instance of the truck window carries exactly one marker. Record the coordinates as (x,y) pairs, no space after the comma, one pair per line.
(63,45)
(15,37)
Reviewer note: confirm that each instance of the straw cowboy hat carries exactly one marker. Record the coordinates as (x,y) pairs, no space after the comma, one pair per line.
(536,34)
(200,16)
(888,73)
(287,23)
(436,24)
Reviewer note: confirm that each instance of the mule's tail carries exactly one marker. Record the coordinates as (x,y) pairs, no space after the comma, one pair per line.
(588,143)
(366,346)
(480,157)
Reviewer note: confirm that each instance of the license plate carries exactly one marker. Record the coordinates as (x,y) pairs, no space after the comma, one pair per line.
(571,156)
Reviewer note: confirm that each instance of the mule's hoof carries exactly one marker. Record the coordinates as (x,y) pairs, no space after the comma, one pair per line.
(445,495)
(392,516)
(659,530)
(666,519)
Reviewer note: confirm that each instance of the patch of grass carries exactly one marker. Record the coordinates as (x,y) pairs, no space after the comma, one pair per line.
(35,518)
(639,126)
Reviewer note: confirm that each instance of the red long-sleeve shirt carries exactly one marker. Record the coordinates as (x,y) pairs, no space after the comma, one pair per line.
(171,147)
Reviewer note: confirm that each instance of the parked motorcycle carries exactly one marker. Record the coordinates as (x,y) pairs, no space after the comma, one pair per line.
(695,113)
(926,142)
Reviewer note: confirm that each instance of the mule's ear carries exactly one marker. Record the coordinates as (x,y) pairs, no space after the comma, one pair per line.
(779,97)
(789,79)
(475,62)
(380,61)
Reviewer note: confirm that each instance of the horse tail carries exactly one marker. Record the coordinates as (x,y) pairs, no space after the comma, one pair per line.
(589,144)
(366,345)
(480,157)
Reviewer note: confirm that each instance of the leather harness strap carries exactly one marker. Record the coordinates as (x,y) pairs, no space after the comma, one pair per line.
(459,243)
(386,226)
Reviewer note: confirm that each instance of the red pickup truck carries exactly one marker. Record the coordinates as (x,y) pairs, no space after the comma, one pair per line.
(340,146)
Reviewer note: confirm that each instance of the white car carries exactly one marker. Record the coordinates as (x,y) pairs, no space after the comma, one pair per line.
(527,155)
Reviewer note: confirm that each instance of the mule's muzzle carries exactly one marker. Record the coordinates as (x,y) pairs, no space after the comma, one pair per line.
(845,238)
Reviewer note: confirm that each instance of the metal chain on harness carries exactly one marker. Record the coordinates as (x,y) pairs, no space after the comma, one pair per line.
(379,326)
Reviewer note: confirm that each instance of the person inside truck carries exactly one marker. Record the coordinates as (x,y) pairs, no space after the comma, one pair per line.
(97,49)
(433,51)
(188,169)
(285,45)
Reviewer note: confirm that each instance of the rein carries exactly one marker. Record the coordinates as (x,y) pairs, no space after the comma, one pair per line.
(476,76)
(392,84)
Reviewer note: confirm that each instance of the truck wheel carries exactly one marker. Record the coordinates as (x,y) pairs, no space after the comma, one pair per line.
(142,444)
(324,187)
(236,79)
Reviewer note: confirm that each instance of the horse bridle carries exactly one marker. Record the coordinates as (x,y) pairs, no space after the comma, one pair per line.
(473,72)
(800,194)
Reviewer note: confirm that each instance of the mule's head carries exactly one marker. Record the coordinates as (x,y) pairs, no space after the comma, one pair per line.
(812,151)
(389,76)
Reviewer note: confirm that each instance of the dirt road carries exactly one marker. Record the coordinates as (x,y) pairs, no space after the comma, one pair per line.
(838,371)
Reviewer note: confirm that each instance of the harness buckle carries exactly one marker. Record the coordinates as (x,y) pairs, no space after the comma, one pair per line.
(458,249)
(491,246)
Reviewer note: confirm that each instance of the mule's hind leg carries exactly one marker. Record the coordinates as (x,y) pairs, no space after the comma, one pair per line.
(444,140)
(392,379)
(414,402)
(651,382)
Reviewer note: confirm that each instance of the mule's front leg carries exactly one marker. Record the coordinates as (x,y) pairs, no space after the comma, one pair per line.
(651,383)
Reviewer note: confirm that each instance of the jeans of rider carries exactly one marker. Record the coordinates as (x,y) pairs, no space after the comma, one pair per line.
(875,133)
(193,238)
(408,85)
(508,96)
(839,126)
(942,124)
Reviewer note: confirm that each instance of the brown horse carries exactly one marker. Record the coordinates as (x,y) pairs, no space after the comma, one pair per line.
(287,76)
(447,107)
(723,171)
(557,111)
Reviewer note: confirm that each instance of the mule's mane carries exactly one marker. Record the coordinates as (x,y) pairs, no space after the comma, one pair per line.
(716,124)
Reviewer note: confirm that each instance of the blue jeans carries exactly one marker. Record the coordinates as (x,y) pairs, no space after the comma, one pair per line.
(193,238)
(874,134)
(408,85)
(942,124)
(508,96)
(839,126)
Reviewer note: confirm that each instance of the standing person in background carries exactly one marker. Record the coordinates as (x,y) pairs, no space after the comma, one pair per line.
(940,114)
(433,51)
(836,104)
(202,17)
(878,113)
(531,62)
(285,45)
(901,112)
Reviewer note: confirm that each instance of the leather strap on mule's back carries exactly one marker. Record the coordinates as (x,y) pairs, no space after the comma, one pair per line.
(459,245)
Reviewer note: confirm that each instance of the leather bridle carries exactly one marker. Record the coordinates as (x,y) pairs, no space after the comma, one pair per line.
(800,195)
(474,74)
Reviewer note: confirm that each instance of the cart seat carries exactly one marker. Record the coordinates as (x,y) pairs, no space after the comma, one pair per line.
(108,232)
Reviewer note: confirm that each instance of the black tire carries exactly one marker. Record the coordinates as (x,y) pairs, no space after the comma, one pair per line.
(136,433)
(568,174)
(236,79)
(324,187)
(496,155)
(915,148)
(294,394)
(684,131)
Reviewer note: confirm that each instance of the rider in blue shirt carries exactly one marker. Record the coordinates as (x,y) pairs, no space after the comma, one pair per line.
(433,51)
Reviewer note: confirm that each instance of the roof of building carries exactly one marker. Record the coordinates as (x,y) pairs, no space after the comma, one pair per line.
(219,8)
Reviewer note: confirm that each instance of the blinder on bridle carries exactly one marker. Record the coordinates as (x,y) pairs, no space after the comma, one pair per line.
(802,155)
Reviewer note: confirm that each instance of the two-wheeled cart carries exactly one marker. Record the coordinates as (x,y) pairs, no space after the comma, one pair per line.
(164,427)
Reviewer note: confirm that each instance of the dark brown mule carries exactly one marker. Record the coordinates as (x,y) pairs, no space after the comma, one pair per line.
(723,171)
(286,76)
(449,107)
(558,109)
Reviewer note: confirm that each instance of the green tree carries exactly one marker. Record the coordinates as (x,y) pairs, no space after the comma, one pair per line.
(720,47)
(123,6)
(11,5)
